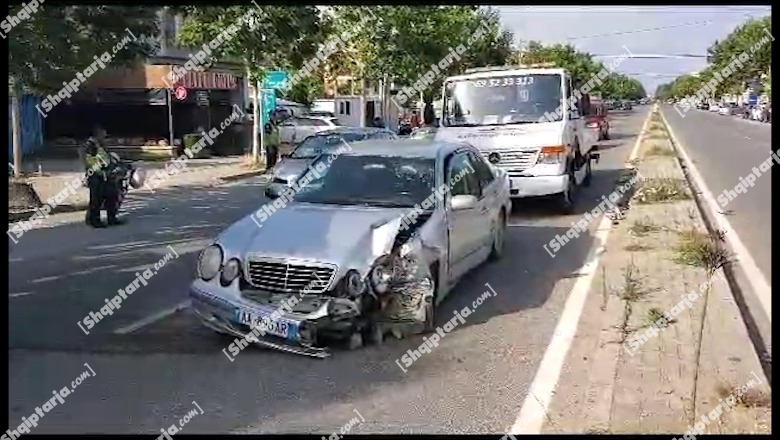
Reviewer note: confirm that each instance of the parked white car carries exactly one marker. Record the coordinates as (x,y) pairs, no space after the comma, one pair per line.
(296,129)
(715,108)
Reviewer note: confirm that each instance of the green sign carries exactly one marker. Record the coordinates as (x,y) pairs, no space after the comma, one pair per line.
(275,79)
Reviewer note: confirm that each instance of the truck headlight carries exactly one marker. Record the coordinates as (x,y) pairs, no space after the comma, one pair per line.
(230,272)
(209,262)
(552,155)
(354,284)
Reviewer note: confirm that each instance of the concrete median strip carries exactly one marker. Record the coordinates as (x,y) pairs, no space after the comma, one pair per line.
(647,356)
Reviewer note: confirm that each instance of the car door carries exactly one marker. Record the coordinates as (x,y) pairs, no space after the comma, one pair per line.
(464,243)
(287,130)
(303,129)
(489,205)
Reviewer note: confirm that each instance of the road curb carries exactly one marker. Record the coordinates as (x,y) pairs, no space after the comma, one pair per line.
(241,176)
(736,274)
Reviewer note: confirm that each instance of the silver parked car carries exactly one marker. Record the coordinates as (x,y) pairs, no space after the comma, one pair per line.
(364,248)
(324,142)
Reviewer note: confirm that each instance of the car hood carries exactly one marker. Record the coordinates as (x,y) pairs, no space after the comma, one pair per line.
(351,237)
(290,168)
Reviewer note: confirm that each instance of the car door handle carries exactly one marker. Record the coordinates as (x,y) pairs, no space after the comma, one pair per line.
(484,210)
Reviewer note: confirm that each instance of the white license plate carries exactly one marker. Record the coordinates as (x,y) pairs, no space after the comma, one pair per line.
(278,327)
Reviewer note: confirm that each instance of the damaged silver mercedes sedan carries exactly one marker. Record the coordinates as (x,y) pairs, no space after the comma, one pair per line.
(364,244)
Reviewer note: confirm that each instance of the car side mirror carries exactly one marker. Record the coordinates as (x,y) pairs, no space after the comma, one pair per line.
(463,202)
(273,191)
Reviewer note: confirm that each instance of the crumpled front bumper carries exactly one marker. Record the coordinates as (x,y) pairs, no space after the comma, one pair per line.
(217,308)
(320,318)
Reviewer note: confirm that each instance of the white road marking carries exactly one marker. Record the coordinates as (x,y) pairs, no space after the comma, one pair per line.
(759,284)
(534,411)
(132,328)
(81,272)
(14,295)
(196,243)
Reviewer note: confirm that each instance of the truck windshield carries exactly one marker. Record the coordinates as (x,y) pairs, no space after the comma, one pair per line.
(501,100)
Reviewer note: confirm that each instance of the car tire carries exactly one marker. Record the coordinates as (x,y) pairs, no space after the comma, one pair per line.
(588,173)
(499,234)
(429,325)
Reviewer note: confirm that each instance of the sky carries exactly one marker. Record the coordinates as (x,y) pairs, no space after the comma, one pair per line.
(692,29)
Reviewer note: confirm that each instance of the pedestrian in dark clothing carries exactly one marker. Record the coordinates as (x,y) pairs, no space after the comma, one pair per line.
(271,143)
(97,163)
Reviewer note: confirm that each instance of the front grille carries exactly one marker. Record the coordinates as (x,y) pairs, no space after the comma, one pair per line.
(514,160)
(289,277)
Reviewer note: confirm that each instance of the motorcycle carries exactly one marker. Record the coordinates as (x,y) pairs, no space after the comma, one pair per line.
(125,175)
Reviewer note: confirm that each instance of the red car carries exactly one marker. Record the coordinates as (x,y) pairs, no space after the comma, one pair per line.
(597,119)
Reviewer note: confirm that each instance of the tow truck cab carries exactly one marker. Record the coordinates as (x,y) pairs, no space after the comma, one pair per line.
(527,120)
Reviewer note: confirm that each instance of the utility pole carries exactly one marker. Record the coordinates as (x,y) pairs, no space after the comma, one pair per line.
(16,126)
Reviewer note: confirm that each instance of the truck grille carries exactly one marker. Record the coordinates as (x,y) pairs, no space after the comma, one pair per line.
(289,277)
(514,160)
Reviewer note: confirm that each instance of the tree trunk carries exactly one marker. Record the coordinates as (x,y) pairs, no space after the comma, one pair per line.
(16,127)
(256,132)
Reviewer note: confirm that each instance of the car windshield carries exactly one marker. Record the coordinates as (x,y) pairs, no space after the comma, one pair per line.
(512,99)
(382,181)
(313,146)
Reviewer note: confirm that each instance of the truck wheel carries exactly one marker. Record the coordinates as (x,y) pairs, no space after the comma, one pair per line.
(564,201)
(588,172)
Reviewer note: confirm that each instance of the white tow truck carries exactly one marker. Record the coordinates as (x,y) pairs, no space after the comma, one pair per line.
(521,119)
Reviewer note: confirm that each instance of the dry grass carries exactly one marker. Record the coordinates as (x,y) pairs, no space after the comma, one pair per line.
(658,150)
(699,249)
(662,189)
(644,226)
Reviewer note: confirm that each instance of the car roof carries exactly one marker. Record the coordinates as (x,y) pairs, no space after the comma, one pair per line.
(322,118)
(343,130)
(422,148)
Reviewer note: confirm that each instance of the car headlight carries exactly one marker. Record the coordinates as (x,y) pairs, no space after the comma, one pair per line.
(380,277)
(354,284)
(209,262)
(230,272)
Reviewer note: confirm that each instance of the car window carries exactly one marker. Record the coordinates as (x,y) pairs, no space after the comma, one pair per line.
(304,122)
(482,170)
(461,176)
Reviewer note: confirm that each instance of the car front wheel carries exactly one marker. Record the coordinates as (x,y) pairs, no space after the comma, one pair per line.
(499,232)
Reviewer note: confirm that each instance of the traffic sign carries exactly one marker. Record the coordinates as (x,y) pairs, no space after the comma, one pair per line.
(275,79)
(267,104)
(181,93)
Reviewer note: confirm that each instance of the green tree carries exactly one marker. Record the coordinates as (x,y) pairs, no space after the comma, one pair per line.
(270,37)
(58,41)
(405,41)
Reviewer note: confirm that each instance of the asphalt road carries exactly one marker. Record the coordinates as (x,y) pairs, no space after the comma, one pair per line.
(474,382)
(724,150)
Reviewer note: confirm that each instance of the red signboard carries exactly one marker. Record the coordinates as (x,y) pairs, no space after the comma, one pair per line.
(208,80)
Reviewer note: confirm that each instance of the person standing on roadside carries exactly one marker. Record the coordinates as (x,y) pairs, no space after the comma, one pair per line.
(271,142)
(96,163)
